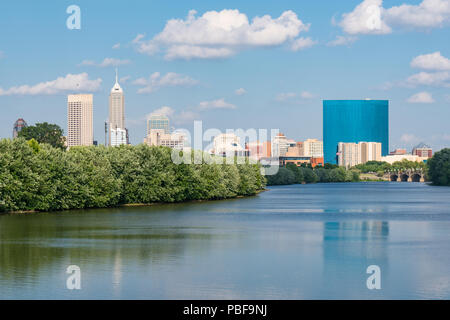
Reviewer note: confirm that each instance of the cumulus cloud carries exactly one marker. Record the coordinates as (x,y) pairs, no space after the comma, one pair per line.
(116,46)
(342,41)
(436,79)
(302,43)
(421,97)
(215,104)
(165,111)
(107,62)
(157,81)
(369,17)
(427,14)
(432,61)
(240,91)
(220,34)
(69,83)
(365,19)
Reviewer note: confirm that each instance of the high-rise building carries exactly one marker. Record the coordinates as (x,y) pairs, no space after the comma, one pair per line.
(351,154)
(18,126)
(280,145)
(118,137)
(158,121)
(313,148)
(354,121)
(228,144)
(80,131)
(116,113)
(423,151)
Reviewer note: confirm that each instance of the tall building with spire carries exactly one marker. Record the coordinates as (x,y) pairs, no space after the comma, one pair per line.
(116,114)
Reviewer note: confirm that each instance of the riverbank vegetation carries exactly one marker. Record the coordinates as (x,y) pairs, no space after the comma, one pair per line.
(40,177)
(293,174)
(439,168)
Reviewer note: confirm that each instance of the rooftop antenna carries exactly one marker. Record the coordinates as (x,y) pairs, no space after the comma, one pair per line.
(117,77)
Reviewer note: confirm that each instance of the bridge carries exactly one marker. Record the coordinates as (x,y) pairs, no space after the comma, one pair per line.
(407,175)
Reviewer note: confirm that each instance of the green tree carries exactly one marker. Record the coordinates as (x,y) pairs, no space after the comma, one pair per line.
(439,168)
(44,133)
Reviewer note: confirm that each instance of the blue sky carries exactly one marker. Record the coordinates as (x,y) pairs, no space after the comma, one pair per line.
(300,53)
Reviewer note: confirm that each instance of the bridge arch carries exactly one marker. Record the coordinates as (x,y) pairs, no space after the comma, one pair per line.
(404,177)
(394,177)
(416,177)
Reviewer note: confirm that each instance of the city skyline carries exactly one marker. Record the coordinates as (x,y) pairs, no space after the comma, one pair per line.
(261,84)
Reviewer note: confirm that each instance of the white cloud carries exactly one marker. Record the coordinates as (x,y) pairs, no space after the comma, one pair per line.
(342,41)
(365,19)
(289,96)
(369,17)
(215,104)
(302,43)
(124,79)
(240,91)
(220,34)
(157,81)
(69,83)
(436,79)
(421,97)
(409,138)
(432,61)
(116,46)
(165,111)
(427,14)
(306,95)
(107,62)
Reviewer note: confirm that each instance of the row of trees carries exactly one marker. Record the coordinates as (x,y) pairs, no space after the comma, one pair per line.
(40,177)
(292,174)
(381,167)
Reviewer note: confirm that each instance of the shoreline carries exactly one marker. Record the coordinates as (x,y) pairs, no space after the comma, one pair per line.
(25,212)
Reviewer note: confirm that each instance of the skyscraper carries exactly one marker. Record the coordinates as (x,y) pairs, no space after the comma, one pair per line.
(18,126)
(116,112)
(80,130)
(354,121)
(158,121)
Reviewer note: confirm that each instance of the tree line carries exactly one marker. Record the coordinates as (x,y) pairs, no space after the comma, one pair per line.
(293,174)
(38,176)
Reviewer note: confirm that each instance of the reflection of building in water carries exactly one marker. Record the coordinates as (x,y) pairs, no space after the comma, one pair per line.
(349,247)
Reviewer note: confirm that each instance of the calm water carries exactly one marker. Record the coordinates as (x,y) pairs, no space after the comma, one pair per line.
(292,242)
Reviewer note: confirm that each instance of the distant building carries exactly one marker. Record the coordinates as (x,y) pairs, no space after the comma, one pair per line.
(351,154)
(158,121)
(280,145)
(18,126)
(398,151)
(228,144)
(313,148)
(255,149)
(117,115)
(118,137)
(354,121)
(400,157)
(158,137)
(422,150)
(80,131)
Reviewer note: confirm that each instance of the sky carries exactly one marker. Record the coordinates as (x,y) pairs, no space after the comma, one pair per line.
(230,64)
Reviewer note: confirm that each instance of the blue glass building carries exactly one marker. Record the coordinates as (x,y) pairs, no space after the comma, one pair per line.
(354,121)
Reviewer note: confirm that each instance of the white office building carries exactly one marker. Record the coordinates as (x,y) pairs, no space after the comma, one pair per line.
(80,131)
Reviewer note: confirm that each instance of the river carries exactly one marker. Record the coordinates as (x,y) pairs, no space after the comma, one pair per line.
(291,242)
